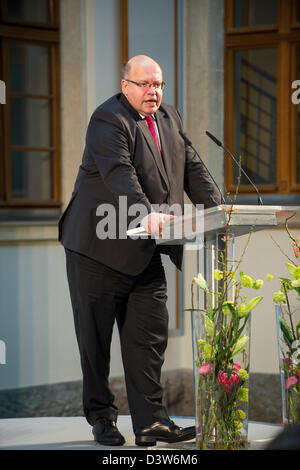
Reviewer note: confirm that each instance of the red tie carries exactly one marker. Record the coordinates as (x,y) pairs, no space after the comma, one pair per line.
(149,121)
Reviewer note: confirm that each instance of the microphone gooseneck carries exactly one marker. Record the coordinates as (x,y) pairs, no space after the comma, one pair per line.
(220,144)
(216,141)
(189,143)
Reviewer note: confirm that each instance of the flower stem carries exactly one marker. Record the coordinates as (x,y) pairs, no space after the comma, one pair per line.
(289,310)
(192,294)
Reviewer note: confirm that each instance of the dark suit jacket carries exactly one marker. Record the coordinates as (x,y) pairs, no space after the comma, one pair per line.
(121,159)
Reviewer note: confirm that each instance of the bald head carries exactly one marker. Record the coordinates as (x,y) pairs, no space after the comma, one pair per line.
(139,70)
(142,61)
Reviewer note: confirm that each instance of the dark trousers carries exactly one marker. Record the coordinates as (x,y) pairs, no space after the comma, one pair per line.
(101,295)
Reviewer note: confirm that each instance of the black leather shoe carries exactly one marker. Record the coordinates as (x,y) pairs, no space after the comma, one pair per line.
(165,431)
(106,433)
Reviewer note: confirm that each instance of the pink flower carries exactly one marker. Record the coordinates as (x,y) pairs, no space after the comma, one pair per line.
(236,366)
(226,238)
(229,209)
(206,368)
(287,360)
(290,381)
(231,384)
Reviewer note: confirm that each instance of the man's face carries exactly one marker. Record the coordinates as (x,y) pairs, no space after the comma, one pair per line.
(144,100)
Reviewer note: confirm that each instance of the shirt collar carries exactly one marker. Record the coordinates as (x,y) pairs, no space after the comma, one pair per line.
(152,115)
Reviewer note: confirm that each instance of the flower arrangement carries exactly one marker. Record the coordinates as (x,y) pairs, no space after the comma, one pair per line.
(287,300)
(222,352)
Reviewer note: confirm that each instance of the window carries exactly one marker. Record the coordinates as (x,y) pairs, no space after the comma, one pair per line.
(262,42)
(29,121)
(296,118)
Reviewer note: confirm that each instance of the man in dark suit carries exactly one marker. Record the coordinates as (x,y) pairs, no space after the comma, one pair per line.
(112,278)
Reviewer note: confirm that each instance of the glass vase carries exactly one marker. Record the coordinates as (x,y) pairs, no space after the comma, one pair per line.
(221,353)
(288,334)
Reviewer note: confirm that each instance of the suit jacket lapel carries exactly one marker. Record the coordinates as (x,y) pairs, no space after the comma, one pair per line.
(142,124)
(166,139)
(163,125)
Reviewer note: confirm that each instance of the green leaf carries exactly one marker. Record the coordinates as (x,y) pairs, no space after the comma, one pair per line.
(297,289)
(287,334)
(243,310)
(241,344)
(285,279)
(209,326)
(293,270)
(194,310)
(228,308)
(229,370)
(286,284)
(298,330)
(244,324)
(253,303)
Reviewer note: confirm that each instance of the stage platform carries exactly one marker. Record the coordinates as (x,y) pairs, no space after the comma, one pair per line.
(74,433)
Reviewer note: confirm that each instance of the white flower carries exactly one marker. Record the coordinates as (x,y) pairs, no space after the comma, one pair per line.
(201,282)
(296,355)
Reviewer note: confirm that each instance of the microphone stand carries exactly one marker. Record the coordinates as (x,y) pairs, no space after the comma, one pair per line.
(219,143)
(189,143)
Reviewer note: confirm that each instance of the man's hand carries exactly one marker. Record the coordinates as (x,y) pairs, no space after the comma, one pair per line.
(154,222)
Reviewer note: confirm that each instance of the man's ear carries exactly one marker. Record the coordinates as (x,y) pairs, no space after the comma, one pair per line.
(124,85)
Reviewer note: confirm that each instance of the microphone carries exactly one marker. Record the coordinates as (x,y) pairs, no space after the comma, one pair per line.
(219,143)
(189,143)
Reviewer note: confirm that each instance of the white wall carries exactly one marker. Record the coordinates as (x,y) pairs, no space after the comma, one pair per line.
(152,34)
(102,51)
(36,319)
(35,312)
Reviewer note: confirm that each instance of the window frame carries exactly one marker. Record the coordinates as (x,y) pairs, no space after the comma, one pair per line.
(294,23)
(53,14)
(284,37)
(294,184)
(22,33)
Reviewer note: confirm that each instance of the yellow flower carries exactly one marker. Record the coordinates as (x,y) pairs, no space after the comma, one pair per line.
(238,425)
(246,281)
(218,274)
(279,297)
(243,374)
(269,277)
(240,414)
(258,283)
(205,348)
(242,394)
